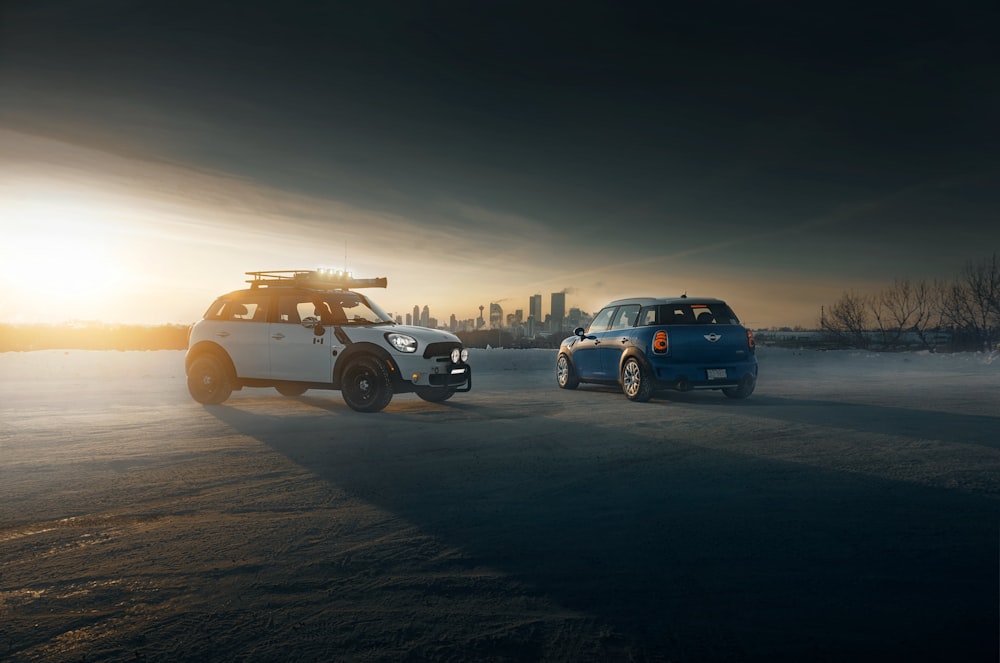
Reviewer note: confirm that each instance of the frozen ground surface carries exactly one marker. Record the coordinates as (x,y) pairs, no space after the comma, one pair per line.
(847,511)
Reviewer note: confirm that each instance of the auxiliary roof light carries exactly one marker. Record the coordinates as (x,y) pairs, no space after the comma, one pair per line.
(327,272)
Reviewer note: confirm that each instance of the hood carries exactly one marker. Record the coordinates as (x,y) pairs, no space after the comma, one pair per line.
(425,334)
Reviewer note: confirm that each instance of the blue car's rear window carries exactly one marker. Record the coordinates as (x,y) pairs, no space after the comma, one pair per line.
(694,313)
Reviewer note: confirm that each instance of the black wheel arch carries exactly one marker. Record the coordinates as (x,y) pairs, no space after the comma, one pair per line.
(569,358)
(355,350)
(640,356)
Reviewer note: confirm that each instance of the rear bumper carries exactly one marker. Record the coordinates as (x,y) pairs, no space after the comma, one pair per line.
(685,377)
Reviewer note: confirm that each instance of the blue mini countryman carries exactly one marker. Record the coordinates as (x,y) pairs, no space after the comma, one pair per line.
(645,344)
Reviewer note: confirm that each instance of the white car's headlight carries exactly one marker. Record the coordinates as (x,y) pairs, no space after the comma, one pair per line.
(402,342)
(456,355)
(465,354)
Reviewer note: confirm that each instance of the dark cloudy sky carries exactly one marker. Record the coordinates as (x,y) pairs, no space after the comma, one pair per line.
(774,154)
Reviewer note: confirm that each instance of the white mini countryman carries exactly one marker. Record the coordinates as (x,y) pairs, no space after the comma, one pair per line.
(299,330)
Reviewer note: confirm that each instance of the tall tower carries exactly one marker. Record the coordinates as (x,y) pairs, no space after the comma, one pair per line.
(558,312)
(496,316)
(416,315)
(535,308)
(425,317)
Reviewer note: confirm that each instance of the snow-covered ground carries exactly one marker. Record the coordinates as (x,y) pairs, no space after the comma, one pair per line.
(848,510)
(47,364)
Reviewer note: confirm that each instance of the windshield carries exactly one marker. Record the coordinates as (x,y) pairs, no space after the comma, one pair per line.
(351,308)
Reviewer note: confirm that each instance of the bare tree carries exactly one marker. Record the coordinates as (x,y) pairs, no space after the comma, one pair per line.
(848,319)
(904,308)
(972,306)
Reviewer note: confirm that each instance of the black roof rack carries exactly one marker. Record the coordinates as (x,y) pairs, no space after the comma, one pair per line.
(314,279)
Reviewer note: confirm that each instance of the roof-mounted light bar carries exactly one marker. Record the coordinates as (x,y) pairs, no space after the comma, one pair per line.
(316,279)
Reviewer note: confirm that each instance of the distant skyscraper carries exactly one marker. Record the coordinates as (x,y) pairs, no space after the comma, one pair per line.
(425,317)
(535,307)
(558,310)
(574,318)
(496,316)
(416,315)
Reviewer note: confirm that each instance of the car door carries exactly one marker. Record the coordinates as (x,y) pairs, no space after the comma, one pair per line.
(586,351)
(617,338)
(238,323)
(299,345)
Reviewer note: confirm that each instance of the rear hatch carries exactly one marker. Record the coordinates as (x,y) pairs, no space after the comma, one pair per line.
(703,332)
(708,344)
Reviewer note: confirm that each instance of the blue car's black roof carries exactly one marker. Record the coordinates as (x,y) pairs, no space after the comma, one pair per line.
(653,301)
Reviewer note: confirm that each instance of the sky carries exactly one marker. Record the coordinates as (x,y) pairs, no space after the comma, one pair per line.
(775,155)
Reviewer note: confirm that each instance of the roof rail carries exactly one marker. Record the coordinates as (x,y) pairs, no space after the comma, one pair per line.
(314,279)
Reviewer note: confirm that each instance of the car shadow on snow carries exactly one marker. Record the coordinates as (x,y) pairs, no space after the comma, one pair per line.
(921,424)
(689,552)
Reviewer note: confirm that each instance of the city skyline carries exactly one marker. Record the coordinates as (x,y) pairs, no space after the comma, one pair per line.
(772,156)
(531,325)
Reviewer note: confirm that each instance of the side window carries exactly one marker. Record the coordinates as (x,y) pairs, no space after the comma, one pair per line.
(293,308)
(601,320)
(648,316)
(246,309)
(214,311)
(625,317)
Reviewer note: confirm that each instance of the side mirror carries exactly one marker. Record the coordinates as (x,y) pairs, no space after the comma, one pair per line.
(309,322)
(578,332)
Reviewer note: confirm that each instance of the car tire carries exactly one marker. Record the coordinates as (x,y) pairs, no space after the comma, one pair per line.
(435,394)
(636,383)
(291,390)
(209,381)
(745,388)
(365,385)
(566,376)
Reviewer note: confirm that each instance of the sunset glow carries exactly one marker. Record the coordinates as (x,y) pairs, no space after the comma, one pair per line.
(147,168)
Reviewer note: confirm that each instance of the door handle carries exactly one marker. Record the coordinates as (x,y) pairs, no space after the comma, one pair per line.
(222,334)
(278,336)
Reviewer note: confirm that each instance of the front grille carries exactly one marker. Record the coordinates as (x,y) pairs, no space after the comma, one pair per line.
(442,349)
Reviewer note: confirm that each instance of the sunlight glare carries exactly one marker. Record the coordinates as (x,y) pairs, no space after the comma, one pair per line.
(57,259)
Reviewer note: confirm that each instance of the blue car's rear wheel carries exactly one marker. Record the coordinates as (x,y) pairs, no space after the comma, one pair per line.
(636,383)
(744,389)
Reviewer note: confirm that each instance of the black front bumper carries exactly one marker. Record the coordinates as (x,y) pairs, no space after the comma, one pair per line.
(452,380)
